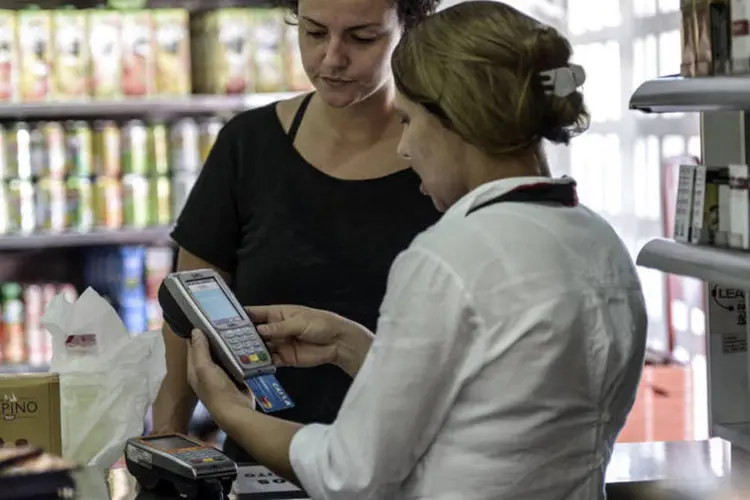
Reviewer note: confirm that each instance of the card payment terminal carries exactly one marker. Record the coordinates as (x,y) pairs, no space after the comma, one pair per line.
(176,462)
(201,299)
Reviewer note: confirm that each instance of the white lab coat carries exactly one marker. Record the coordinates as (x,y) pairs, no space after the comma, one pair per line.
(507,356)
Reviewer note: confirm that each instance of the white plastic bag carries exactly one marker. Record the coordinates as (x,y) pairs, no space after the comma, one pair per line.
(108,378)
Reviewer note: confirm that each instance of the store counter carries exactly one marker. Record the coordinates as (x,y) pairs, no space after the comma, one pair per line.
(691,470)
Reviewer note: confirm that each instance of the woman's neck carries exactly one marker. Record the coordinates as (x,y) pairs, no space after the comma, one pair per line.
(487,169)
(364,122)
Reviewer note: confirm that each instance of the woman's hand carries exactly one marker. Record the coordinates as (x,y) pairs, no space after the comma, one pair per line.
(302,337)
(210,383)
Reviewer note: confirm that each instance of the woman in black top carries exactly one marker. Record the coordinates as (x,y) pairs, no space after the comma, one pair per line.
(305,201)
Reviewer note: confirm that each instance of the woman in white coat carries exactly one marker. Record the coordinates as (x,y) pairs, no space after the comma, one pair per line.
(512,334)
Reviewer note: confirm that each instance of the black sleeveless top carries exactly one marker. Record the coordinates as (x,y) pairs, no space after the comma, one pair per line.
(290,234)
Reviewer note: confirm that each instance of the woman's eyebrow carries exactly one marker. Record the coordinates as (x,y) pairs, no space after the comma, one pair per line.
(351,28)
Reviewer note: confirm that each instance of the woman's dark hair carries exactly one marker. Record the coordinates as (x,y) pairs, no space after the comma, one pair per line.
(410,12)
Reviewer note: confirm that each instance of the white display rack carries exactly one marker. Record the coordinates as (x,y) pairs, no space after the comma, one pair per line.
(725,139)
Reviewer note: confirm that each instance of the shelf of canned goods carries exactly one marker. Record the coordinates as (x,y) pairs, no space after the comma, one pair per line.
(158,107)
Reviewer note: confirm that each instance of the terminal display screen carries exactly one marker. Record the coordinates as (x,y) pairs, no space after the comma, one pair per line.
(171,443)
(214,302)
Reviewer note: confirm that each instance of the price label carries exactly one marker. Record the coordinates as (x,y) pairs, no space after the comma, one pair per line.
(127,4)
(257,480)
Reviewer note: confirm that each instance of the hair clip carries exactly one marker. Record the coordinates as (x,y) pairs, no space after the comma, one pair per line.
(562,82)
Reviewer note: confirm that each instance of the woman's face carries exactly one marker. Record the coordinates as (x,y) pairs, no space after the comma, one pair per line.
(436,154)
(346,46)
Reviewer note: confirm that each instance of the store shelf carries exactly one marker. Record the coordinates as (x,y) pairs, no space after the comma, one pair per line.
(15,369)
(715,265)
(153,236)
(677,94)
(156,107)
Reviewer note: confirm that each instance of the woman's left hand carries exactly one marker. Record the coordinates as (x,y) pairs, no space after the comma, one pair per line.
(210,383)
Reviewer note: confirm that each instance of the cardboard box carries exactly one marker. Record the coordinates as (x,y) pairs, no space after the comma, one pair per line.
(30,410)
(706,38)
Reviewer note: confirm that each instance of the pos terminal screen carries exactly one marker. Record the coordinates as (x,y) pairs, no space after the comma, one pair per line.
(171,443)
(214,301)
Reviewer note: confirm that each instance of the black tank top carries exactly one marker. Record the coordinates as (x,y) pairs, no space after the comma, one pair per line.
(289,233)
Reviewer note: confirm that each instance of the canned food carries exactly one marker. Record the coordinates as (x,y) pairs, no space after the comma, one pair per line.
(184,146)
(5,152)
(5,209)
(135,148)
(158,149)
(79,207)
(19,159)
(106,149)
(182,183)
(37,150)
(50,204)
(14,341)
(34,331)
(54,153)
(160,201)
(21,209)
(79,158)
(209,131)
(135,201)
(108,202)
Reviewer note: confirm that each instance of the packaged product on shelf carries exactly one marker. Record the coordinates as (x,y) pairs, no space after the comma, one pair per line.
(706,204)
(105,42)
(159,262)
(135,148)
(296,78)
(208,132)
(36,334)
(135,192)
(184,146)
(19,156)
(9,65)
(5,210)
(706,37)
(268,50)
(37,149)
(222,52)
(79,204)
(53,150)
(182,184)
(740,43)
(21,207)
(79,149)
(5,153)
(50,200)
(172,36)
(70,53)
(160,200)
(49,290)
(137,53)
(108,202)
(106,148)
(158,149)
(14,338)
(35,66)
(739,199)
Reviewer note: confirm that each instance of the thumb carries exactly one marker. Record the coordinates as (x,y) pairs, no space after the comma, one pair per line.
(283,330)
(198,342)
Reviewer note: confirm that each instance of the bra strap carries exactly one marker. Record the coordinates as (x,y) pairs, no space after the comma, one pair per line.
(297,121)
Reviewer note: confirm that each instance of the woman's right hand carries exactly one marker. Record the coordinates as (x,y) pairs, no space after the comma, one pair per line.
(303,337)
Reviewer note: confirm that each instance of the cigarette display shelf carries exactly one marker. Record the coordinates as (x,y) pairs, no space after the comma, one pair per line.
(724,104)
(147,236)
(152,107)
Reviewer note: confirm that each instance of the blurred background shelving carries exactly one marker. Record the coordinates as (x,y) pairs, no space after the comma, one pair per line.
(106,117)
